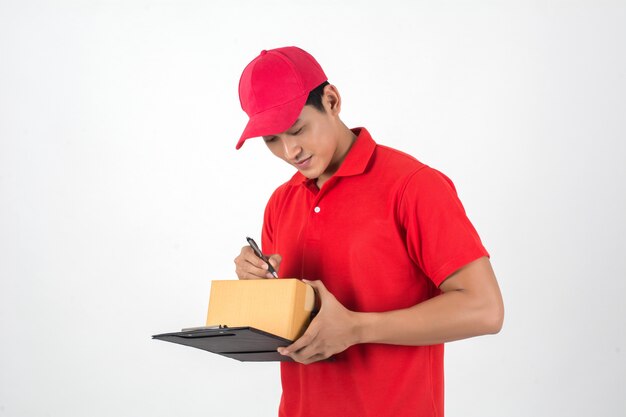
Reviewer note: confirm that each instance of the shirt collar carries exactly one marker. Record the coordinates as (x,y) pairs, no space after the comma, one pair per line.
(356,160)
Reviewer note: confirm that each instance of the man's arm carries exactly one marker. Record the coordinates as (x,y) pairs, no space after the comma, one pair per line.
(470,305)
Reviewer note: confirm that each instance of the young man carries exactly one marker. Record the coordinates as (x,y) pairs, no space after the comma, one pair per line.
(383,239)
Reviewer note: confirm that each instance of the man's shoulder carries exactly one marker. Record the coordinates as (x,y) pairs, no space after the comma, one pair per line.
(396,162)
(392,166)
(396,154)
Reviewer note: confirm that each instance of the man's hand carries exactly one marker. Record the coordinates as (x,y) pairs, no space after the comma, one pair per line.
(333,330)
(250,266)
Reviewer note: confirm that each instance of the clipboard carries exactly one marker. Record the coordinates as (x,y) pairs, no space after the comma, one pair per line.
(245,344)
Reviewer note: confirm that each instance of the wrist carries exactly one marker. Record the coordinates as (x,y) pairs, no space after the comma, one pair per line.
(363,327)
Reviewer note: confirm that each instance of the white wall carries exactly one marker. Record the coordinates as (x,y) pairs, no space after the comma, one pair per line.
(122,196)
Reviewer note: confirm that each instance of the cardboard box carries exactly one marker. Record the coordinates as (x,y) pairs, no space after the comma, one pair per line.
(279,306)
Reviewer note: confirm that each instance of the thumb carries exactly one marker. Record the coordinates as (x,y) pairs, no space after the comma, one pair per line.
(318,286)
(321,293)
(275,260)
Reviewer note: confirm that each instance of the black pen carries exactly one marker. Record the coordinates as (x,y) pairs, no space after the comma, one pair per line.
(258,253)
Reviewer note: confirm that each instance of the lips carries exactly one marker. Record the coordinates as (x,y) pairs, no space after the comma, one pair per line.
(304,163)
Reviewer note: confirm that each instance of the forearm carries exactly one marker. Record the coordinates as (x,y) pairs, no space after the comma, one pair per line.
(445,318)
(470,305)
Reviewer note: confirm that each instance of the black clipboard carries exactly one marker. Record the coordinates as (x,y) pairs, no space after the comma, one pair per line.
(245,344)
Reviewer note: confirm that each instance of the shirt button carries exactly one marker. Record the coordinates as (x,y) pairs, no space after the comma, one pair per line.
(317,209)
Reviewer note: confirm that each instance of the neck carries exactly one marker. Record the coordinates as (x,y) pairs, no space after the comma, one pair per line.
(345,141)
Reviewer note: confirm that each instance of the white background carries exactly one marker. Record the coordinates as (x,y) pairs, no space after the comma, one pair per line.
(122,195)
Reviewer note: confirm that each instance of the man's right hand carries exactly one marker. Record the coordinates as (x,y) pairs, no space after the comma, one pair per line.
(250,266)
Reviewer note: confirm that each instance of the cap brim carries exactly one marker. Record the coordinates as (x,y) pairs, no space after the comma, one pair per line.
(273,121)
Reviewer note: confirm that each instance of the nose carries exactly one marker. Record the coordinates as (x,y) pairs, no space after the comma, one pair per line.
(291,148)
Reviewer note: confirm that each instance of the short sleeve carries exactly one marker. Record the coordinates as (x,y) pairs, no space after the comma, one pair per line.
(267,233)
(439,236)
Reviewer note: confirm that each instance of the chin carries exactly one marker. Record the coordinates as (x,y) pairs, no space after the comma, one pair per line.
(310,173)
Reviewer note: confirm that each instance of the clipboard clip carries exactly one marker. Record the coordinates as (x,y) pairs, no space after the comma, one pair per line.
(218,326)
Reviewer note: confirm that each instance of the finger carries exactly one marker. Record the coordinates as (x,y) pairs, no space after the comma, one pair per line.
(247,270)
(244,276)
(248,255)
(318,286)
(309,354)
(252,273)
(306,353)
(275,260)
(303,341)
(247,264)
(321,293)
(313,359)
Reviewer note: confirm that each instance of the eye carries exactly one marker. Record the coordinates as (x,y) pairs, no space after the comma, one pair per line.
(297,132)
(269,139)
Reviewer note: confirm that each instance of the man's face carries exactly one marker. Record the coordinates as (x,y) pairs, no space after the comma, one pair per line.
(312,144)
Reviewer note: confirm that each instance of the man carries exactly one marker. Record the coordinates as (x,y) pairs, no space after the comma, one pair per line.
(384,241)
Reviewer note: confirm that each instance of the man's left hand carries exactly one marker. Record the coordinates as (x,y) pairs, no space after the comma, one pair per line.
(333,330)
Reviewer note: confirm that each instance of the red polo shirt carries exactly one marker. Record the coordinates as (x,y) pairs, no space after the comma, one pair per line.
(382,234)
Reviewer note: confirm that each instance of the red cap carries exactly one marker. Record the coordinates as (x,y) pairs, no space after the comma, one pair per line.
(273,90)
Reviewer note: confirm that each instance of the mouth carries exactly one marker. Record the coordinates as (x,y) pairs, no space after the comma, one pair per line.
(303,163)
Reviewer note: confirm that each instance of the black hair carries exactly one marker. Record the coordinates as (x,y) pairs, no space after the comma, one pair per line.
(315,97)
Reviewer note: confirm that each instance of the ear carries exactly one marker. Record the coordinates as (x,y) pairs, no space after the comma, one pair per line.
(331,100)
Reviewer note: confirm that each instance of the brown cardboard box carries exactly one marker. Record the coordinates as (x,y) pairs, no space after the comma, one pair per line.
(279,306)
